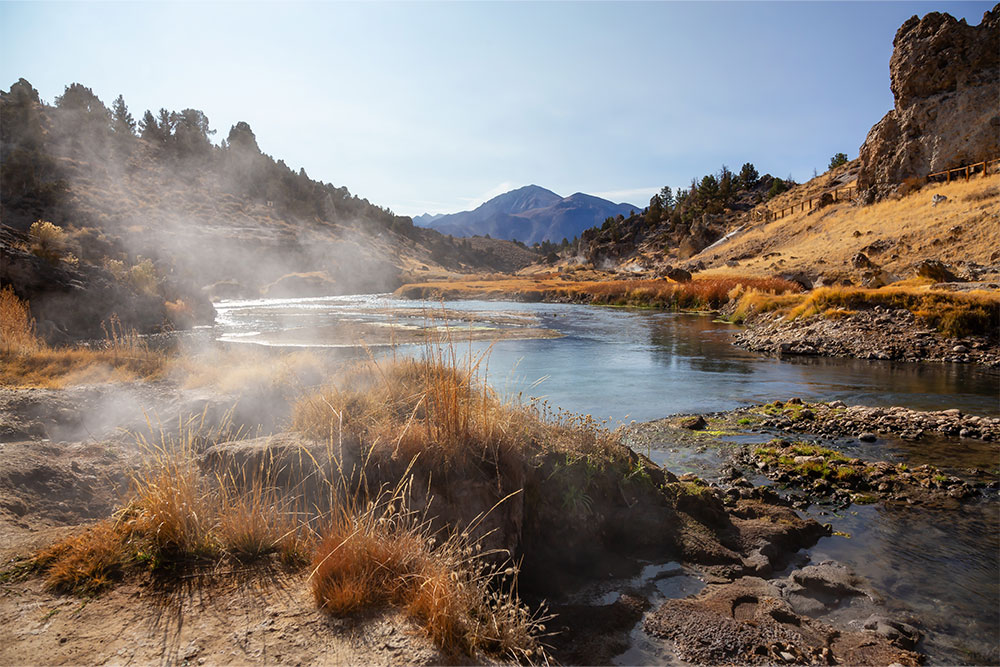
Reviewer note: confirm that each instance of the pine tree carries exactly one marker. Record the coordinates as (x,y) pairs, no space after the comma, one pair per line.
(748,175)
(122,122)
(148,129)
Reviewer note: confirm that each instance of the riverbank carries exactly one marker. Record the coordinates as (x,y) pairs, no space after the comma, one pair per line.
(911,322)
(602,509)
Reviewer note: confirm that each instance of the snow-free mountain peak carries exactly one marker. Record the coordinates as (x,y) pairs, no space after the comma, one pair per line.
(530,214)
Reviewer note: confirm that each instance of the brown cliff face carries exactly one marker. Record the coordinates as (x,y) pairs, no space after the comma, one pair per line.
(945,77)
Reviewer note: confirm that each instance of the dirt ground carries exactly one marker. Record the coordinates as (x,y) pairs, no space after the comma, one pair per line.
(51,486)
(255,616)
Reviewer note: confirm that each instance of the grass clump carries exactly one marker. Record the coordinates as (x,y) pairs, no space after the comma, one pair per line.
(87,563)
(17,327)
(386,555)
(172,518)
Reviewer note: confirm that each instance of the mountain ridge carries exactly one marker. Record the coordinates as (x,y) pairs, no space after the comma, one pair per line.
(530,214)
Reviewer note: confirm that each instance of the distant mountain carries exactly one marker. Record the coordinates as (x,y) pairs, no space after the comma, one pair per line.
(426,219)
(530,214)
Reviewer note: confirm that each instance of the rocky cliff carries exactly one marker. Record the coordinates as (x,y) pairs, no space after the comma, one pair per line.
(945,78)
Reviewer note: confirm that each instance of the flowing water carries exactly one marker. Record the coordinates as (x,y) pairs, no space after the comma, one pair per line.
(940,567)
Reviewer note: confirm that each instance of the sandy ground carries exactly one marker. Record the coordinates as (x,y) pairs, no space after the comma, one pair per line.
(259,617)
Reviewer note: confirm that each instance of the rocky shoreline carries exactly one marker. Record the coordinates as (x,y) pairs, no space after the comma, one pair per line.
(890,334)
(733,536)
(835,419)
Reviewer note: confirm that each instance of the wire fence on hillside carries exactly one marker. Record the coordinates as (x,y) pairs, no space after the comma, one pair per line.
(765,213)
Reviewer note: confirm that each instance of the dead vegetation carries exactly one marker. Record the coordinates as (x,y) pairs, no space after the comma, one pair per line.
(700,294)
(975,313)
(27,361)
(368,548)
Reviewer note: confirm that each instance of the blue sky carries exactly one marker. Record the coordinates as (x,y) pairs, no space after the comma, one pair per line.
(434,107)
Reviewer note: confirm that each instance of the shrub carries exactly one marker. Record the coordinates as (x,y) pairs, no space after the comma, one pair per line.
(47,240)
(837,160)
(142,276)
(777,187)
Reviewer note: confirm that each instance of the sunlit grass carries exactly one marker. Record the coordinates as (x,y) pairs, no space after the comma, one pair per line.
(25,360)
(950,313)
(699,294)
(367,548)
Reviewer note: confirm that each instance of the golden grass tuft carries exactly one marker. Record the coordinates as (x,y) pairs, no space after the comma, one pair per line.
(17,327)
(86,563)
(385,555)
(438,409)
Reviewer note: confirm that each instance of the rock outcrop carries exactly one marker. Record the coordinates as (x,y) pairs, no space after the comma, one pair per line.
(945,78)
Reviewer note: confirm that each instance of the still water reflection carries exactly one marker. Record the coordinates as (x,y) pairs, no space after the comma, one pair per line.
(623,364)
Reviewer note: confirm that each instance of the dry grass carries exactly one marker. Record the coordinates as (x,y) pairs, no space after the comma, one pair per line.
(438,408)
(951,313)
(698,295)
(386,555)
(368,549)
(174,517)
(247,368)
(85,563)
(825,240)
(26,361)
(17,327)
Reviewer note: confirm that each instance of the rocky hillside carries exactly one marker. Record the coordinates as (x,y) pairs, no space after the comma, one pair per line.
(158,209)
(946,82)
(945,78)
(531,215)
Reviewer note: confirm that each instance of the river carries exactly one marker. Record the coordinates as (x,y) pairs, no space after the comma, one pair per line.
(941,568)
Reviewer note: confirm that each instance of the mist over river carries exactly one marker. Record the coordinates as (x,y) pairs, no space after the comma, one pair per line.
(938,568)
(613,363)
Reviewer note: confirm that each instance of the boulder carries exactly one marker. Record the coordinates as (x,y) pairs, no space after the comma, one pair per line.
(936,271)
(679,275)
(861,261)
(696,423)
(945,79)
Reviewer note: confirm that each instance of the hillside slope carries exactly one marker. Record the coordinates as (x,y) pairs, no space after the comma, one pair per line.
(157,200)
(895,235)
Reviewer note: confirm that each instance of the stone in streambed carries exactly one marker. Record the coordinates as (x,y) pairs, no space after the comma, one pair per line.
(696,423)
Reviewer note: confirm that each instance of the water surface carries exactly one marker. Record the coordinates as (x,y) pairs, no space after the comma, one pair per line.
(614,363)
(940,567)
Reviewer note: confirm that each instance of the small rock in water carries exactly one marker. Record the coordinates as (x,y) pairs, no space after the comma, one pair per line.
(696,423)
(867,437)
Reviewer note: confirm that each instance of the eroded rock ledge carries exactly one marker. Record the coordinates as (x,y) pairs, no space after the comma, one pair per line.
(879,333)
